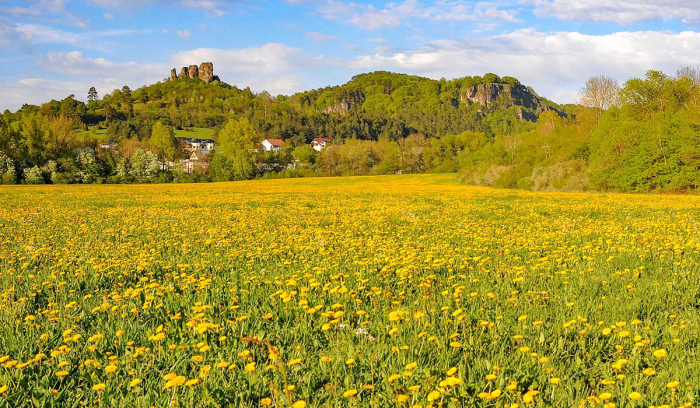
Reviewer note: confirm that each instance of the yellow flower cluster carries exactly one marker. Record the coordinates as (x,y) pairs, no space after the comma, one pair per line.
(409,290)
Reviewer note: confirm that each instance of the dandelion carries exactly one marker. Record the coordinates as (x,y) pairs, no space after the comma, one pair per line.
(98,387)
(350,393)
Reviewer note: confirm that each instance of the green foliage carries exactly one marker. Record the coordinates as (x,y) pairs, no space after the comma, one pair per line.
(237,145)
(163,141)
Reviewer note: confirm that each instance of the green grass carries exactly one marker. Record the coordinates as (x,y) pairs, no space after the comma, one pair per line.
(196,133)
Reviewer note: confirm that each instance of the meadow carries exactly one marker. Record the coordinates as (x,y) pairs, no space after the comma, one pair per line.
(411,291)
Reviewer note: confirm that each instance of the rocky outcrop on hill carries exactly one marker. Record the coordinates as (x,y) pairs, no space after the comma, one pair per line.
(506,96)
(193,71)
(205,72)
(340,107)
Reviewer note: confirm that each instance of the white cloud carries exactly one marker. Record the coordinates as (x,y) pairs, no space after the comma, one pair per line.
(554,64)
(184,34)
(319,38)
(393,14)
(217,7)
(620,11)
(41,34)
(108,16)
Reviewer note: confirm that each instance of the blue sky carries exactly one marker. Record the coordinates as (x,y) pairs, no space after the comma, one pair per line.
(53,48)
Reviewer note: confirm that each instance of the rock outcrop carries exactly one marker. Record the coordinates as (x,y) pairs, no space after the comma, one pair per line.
(194,72)
(530,106)
(205,72)
(340,107)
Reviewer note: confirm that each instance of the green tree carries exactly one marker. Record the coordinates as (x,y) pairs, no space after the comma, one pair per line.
(92,94)
(237,143)
(306,155)
(163,141)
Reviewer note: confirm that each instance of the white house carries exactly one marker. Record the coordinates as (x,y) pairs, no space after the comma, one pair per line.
(320,143)
(192,145)
(272,145)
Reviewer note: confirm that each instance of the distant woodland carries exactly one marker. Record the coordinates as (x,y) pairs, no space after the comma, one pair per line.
(639,136)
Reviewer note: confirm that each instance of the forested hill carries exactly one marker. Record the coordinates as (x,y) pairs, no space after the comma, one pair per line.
(369,107)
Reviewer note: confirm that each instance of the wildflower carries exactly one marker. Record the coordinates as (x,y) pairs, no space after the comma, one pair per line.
(98,387)
(634,396)
(350,393)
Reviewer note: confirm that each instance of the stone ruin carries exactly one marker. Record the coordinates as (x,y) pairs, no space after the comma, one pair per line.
(205,72)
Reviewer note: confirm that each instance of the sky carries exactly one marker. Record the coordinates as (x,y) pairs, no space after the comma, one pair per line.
(50,49)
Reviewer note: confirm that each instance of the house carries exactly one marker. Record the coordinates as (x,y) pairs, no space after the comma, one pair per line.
(192,145)
(272,145)
(107,146)
(320,143)
(198,162)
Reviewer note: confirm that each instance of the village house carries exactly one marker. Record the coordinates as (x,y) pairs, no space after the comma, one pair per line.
(192,145)
(272,145)
(197,163)
(320,143)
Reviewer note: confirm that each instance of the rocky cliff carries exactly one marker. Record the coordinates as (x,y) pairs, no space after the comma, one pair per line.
(503,96)
(205,72)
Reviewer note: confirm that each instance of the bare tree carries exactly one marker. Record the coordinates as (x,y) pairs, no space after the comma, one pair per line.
(600,92)
(690,72)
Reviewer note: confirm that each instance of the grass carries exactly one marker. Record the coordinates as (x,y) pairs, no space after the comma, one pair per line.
(335,292)
(196,133)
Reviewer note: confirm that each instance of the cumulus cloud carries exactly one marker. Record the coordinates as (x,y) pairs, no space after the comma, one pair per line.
(621,12)
(184,34)
(274,67)
(555,64)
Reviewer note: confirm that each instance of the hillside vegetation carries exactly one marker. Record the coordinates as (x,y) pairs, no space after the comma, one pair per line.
(493,131)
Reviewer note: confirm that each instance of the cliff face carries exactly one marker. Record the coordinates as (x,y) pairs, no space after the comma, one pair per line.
(506,96)
(340,107)
(205,72)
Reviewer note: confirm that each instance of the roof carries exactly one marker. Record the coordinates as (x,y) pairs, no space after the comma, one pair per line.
(275,142)
(321,139)
(189,140)
(198,155)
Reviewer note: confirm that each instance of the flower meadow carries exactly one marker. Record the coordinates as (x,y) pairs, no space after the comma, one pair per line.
(408,291)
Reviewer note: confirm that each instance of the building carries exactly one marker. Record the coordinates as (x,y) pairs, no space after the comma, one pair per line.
(197,163)
(192,145)
(320,143)
(272,145)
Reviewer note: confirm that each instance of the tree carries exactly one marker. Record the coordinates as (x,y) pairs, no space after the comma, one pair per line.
(163,141)
(35,135)
(305,154)
(61,133)
(92,94)
(237,144)
(690,72)
(6,134)
(601,93)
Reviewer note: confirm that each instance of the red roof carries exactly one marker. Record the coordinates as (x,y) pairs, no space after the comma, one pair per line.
(275,142)
(321,139)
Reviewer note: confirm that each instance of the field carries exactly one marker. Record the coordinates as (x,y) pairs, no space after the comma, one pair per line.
(335,292)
